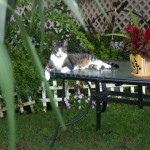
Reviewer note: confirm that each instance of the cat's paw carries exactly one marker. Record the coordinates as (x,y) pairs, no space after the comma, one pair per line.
(65,69)
(47,75)
(107,66)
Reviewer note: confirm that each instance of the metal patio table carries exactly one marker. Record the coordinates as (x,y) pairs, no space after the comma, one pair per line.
(119,76)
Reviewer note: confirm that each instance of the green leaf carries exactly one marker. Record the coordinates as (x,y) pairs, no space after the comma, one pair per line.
(102,10)
(119,34)
(75,9)
(7,87)
(133,18)
(30,48)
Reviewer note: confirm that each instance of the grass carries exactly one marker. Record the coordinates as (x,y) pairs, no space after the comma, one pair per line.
(124,127)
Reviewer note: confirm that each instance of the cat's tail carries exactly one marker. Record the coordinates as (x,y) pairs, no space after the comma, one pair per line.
(113,65)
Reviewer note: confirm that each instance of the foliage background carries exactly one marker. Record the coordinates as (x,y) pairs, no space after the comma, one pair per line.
(27,81)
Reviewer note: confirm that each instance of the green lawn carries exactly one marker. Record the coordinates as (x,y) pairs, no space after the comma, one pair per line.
(124,127)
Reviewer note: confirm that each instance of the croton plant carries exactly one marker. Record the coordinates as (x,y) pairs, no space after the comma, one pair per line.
(138,41)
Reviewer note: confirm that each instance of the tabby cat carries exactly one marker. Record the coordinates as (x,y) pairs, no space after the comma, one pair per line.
(63,61)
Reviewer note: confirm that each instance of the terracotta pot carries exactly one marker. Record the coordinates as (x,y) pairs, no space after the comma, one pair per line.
(140,65)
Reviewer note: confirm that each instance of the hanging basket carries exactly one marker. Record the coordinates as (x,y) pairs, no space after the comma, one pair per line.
(140,65)
(117,45)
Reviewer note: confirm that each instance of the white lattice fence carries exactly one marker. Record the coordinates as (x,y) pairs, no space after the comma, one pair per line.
(90,11)
(141,7)
(21,106)
(55,88)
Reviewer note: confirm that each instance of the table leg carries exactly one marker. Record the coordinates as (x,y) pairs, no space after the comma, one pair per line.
(104,104)
(99,108)
(98,112)
(63,95)
(140,98)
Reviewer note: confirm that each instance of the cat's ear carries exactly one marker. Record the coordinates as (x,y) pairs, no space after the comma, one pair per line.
(65,43)
(54,43)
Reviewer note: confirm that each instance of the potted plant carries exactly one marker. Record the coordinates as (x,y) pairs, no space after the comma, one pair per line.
(138,45)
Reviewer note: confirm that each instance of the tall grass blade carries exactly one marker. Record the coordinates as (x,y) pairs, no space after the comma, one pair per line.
(102,10)
(41,14)
(133,19)
(73,6)
(11,3)
(2,20)
(6,77)
(33,14)
(7,87)
(40,5)
(30,48)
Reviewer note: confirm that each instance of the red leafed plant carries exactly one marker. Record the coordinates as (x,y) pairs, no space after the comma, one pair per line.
(138,40)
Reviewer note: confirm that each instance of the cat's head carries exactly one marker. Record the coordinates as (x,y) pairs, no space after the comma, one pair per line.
(59,49)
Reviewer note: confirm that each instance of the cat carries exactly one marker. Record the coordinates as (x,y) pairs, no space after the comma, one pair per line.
(65,62)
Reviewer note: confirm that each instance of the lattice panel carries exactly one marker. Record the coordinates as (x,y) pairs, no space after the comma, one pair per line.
(90,11)
(141,7)
(123,19)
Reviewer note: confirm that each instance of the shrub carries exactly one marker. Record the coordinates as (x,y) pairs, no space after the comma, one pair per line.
(26,79)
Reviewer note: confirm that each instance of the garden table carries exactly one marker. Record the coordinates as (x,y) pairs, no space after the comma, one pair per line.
(119,76)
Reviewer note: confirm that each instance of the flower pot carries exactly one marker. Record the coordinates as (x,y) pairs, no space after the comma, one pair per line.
(140,65)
